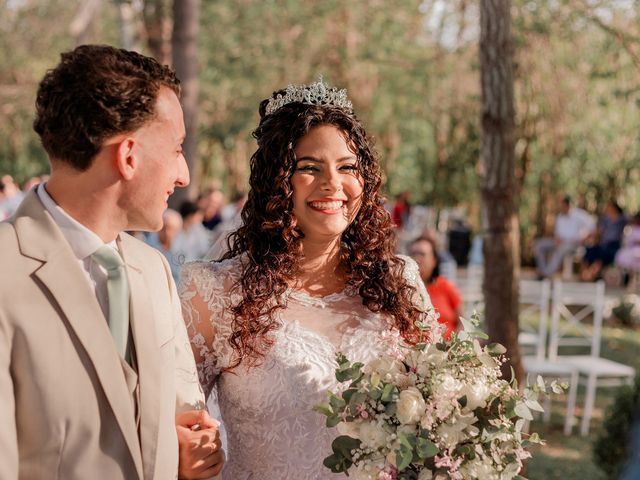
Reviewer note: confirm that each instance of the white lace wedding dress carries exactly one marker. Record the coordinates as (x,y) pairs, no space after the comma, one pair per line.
(273,433)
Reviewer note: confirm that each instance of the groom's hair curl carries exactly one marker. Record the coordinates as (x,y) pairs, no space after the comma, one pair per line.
(270,241)
(94,93)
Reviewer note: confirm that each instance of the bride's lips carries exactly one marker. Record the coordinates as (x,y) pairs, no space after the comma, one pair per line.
(328,206)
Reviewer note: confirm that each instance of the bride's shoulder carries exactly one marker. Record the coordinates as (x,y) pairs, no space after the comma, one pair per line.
(222,275)
(410,269)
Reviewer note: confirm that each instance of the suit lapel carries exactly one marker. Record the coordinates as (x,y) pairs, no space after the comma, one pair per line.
(147,355)
(61,275)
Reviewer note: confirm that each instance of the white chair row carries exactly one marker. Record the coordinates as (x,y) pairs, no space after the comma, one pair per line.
(576,321)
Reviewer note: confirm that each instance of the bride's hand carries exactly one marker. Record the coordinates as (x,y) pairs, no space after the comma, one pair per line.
(200,452)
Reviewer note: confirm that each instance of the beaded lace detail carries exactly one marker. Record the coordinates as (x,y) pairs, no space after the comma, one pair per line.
(273,433)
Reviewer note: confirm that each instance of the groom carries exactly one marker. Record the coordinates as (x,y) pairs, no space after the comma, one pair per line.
(97,378)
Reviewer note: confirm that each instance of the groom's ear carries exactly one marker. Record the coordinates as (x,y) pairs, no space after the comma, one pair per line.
(126,161)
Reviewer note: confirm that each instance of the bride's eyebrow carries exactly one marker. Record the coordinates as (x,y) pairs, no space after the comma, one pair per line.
(309,158)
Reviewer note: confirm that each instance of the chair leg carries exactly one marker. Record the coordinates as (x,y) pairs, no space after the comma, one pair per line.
(571,404)
(546,416)
(588,405)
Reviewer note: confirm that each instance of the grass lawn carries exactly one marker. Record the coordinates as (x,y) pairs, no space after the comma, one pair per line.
(571,458)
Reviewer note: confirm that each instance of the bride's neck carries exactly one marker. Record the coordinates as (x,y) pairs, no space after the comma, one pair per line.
(321,271)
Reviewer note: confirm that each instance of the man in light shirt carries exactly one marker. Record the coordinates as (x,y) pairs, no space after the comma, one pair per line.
(573,225)
(97,379)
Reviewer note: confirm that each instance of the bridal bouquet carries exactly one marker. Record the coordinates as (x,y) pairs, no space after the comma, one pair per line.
(438,411)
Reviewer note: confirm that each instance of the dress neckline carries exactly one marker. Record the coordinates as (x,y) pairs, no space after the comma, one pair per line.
(322,301)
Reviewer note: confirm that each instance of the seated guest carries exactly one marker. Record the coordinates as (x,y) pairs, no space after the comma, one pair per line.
(628,257)
(211,203)
(606,242)
(573,226)
(444,295)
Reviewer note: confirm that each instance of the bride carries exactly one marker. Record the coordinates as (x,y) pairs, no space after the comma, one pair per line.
(310,273)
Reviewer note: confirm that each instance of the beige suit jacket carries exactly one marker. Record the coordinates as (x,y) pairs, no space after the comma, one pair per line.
(66,411)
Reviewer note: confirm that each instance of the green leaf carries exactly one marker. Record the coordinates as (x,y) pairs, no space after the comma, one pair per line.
(496,349)
(324,409)
(534,405)
(523,411)
(336,463)
(426,448)
(387,393)
(332,421)
(343,445)
(336,402)
(391,408)
(404,456)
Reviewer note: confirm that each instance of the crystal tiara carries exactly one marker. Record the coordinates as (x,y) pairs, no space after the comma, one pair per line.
(317,93)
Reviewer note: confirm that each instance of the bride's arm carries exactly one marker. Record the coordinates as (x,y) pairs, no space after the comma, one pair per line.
(422,299)
(195,297)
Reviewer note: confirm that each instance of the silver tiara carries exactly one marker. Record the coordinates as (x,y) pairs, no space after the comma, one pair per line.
(317,93)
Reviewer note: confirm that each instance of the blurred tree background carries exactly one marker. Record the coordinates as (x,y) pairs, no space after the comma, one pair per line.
(412,71)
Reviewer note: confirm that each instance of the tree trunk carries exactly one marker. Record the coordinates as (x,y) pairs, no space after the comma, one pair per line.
(82,27)
(158,26)
(499,188)
(184,42)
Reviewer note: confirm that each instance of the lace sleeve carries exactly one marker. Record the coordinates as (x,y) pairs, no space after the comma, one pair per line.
(422,299)
(204,293)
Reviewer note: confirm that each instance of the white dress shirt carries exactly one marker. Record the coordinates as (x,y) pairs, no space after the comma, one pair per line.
(574,226)
(83,243)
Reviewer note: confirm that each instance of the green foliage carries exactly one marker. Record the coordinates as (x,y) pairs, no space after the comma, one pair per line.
(610,448)
(411,68)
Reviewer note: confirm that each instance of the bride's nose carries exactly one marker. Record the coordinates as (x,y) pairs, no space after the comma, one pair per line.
(331,181)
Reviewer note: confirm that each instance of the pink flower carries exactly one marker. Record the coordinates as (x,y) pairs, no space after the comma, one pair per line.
(389,473)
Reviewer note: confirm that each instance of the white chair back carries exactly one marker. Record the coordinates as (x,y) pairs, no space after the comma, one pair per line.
(535,297)
(576,303)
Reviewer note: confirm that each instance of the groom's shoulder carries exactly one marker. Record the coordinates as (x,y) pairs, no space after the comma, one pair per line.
(143,253)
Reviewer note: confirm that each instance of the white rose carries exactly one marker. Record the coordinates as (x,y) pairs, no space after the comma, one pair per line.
(372,435)
(477,394)
(411,406)
(384,366)
(348,428)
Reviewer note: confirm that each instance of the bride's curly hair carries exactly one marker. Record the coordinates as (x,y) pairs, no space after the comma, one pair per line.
(270,242)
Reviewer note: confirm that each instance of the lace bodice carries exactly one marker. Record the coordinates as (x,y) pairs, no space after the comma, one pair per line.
(273,433)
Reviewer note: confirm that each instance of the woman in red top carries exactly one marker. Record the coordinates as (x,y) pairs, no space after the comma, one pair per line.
(444,295)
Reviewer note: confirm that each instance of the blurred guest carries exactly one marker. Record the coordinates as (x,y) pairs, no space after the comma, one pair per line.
(628,257)
(444,295)
(605,242)
(163,240)
(228,212)
(194,240)
(210,203)
(459,234)
(573,226)
(401,210)
(11,197)
(32,182)
(232,220)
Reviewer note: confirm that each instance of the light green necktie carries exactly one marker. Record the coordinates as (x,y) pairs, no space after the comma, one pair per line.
(118,289)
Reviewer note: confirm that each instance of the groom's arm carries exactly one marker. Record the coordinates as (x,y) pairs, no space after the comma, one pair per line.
(8,433)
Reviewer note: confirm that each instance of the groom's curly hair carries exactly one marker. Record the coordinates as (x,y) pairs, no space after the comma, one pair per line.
(94,93)
(270,242)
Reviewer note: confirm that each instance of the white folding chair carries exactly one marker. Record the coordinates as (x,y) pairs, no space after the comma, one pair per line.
(576,303)
(536,295)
